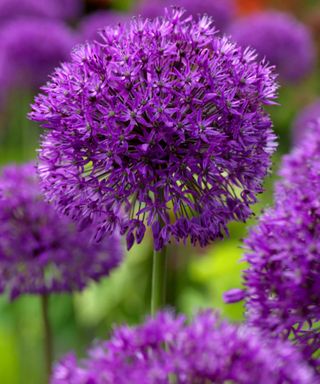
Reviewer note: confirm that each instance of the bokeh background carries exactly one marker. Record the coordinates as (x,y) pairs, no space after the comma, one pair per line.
(197,278)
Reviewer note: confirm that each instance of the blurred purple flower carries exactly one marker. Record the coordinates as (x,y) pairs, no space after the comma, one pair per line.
(305,120)
(281,39)
(31,48)
(68,9)
(167,350)
(92,25)
(283,252)
(64,9)
(164,121)
(221,11)
(40,251)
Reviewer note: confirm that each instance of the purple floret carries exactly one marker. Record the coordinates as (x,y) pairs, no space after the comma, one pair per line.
(305,120)
(281,39)
(31,48)
(283,252)
(221,11)
(40,251)
(161,125)
(168,350)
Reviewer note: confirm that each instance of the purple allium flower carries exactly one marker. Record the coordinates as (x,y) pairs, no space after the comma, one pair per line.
(283,252)
(31,48)
(40,251)
(69,9)
(168,350)
(306,118)
(163,121)
(11,9)
(92,25)
(282,39)
(221,11)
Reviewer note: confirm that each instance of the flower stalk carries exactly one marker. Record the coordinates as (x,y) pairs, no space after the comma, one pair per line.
(159,272)
(47,334)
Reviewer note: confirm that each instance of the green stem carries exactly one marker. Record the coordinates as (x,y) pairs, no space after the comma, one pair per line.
(47,334)
(158,292)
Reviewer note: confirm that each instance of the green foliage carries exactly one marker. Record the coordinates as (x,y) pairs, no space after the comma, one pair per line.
(219,270)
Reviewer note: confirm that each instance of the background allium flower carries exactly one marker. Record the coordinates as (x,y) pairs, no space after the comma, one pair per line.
(31,48)
(283,251)
(305,119)
(41,252)
(94,23)
(221,11)
(279,37)
(69,9)
(11,9)
(166,349)
(162,116)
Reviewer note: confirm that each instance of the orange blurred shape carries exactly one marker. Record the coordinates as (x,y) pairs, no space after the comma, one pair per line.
(248,6)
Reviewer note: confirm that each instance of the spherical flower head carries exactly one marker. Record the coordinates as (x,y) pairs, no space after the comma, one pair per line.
(304,120)
(281,39)
(160,125)
(65,9)
(31,48)
(167,349)
(221,11)
(40,251)
(282,282)
(283,251)
(94,23)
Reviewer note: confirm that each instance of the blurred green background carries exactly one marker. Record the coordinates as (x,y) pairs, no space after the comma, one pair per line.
(196,278)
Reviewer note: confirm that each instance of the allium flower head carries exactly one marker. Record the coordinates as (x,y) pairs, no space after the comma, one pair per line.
(31,48)
(221,11)
(40,251)
(68,9)
(283,252)
(164,121)
(168,350)
(305,120)
(279,37)
(12,9)
(94,23)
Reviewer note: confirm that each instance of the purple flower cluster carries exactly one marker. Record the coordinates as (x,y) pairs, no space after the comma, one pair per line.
(30,48)
(92,25)
(167,350)
(161,125)
(283,252)
(11,9)
(40,251)
(282,39)
(305,120)
(221,11)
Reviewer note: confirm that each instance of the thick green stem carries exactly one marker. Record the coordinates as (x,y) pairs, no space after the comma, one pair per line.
(47,335)
(159,268)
